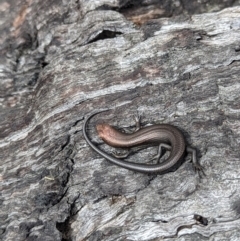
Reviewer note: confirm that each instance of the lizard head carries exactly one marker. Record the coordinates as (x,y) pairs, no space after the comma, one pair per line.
(107,133)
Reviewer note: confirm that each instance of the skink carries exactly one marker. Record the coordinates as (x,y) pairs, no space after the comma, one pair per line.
(155,134)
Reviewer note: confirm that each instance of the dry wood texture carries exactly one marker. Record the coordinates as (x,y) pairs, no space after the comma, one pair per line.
(62,60)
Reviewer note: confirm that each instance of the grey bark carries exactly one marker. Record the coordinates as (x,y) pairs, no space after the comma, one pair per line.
(62,61)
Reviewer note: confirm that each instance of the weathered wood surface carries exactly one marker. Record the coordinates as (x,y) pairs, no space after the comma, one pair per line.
(62,67)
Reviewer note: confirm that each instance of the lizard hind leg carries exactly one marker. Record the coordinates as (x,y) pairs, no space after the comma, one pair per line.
(159,154)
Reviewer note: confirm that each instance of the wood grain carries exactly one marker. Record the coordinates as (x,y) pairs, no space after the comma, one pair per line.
(60,61)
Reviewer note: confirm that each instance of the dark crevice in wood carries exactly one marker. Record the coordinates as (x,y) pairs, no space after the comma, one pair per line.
(236,206)
(66,143)
(65,227)
(77,121)
(237,48)
(202,220)
(105,34)
(44,64)
(107,7)
(100,199)
(33,80)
